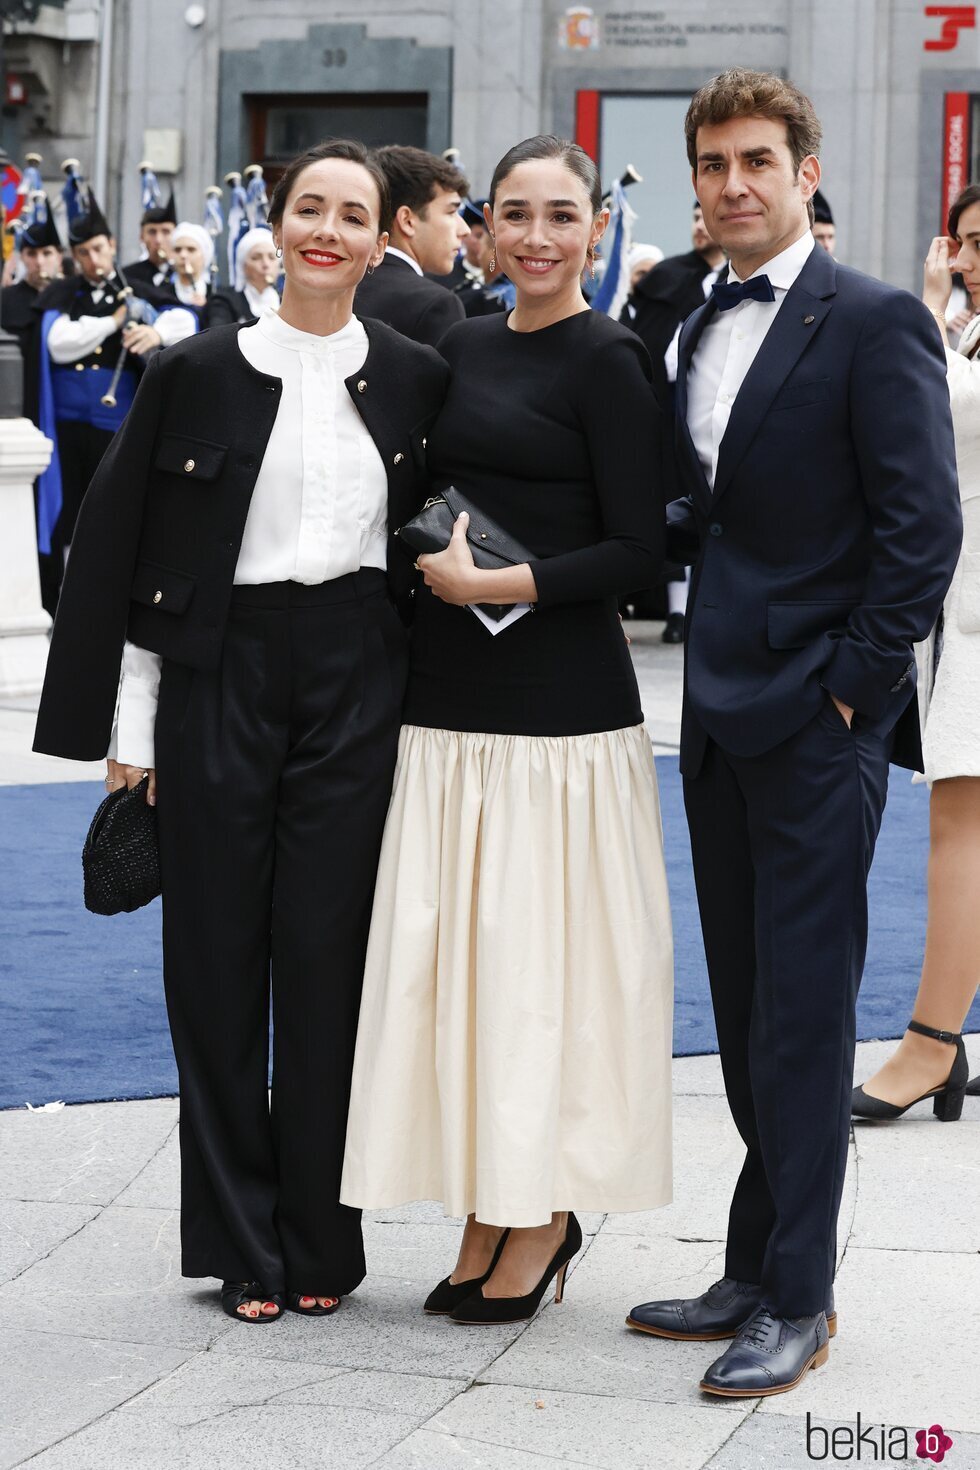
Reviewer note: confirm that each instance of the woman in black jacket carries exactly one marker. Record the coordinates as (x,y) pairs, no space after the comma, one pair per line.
(231,553)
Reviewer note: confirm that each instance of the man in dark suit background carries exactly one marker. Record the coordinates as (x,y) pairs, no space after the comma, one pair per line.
(815,444)
(668,293)
(427,227)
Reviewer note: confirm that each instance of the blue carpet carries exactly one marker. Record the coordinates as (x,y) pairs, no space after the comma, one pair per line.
(81,1001)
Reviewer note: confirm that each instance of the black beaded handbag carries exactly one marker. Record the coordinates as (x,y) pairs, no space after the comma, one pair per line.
(121,859)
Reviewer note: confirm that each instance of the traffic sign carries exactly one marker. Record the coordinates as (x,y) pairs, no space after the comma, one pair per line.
(13,202)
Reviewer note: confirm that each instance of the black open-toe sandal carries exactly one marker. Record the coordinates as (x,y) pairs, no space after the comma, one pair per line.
(293,1299)
(235,1294)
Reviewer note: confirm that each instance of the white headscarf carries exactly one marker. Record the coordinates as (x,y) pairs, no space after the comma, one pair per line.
(198,236)
(652,253)
(260,235)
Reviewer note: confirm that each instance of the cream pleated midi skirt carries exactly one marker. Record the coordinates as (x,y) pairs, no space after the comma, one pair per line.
(514,1045)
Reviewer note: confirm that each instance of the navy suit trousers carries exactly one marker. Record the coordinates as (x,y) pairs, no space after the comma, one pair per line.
(782,844)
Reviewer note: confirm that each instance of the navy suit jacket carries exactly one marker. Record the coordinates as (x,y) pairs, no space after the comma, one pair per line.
(827,544)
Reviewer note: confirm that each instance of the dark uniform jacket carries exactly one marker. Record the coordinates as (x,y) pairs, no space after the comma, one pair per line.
(228,305)
(17,316)
(73,297)
(664,298)
(157,541)
(414,305)
(154,279)
(154,282)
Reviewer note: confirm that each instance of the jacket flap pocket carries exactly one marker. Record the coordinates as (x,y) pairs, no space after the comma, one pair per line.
(799,395)
(795,624)
(159,587)
(195,459)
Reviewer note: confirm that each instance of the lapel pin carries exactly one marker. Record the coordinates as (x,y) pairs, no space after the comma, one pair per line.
(808,321)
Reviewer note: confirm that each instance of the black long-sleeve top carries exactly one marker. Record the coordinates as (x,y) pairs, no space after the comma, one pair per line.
(556,434)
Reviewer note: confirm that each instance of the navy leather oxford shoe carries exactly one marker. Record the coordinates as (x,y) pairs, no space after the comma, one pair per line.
(719,1312)
(769,1355)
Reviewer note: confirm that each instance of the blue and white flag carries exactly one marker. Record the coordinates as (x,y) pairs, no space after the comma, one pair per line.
(614,288)
(31,183)
(214,223)
(256,198)
(151,197)
(73,193)
(237,218)
(214,217)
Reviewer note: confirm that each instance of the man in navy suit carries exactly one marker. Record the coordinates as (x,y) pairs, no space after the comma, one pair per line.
(821,514)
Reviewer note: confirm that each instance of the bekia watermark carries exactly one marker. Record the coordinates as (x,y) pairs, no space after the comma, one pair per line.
(874,1442)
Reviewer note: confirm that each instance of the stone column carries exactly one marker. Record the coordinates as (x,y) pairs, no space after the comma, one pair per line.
(24,453)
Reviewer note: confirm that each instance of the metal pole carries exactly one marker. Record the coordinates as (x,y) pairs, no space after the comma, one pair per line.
(3,73)
(100,169)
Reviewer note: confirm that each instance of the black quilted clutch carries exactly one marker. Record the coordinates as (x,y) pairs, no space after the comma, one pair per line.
(120,859)
(492,547)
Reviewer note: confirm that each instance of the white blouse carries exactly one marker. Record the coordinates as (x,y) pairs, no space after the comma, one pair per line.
(319,508)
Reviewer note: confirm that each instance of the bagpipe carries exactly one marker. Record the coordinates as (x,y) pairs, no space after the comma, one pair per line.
(138,312)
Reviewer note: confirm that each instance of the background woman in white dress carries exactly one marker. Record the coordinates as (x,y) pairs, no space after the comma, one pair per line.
(930,1060)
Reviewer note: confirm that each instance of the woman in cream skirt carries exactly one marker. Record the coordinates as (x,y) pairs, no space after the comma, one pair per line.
(513,1054)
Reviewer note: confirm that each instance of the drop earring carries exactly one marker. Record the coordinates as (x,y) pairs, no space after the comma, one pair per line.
(279,252)
(493,255)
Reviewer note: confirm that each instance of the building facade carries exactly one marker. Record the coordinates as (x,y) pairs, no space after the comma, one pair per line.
(204,88)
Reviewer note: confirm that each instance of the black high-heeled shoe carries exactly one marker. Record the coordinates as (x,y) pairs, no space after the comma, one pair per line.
(947,1098)
(479,1310)
(445,1297)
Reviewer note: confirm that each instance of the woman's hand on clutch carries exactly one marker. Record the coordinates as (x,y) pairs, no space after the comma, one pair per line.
(119,775)
(452,574)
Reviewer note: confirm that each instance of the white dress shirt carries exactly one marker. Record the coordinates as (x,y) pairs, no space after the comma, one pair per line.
(670,356)
(319,508)
(727,349)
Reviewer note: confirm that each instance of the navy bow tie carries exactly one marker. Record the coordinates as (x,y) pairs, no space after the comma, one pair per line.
(729,293)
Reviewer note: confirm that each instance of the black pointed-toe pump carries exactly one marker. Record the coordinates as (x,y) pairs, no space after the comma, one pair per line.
(445,1297)
(480,1310)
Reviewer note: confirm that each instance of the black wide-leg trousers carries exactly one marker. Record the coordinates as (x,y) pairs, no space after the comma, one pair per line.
(274,774)
(782,845)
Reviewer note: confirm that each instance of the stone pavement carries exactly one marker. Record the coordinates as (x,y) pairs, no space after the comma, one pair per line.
(109,1360)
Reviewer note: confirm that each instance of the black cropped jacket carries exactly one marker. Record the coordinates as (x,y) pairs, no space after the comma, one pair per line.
(155,548)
